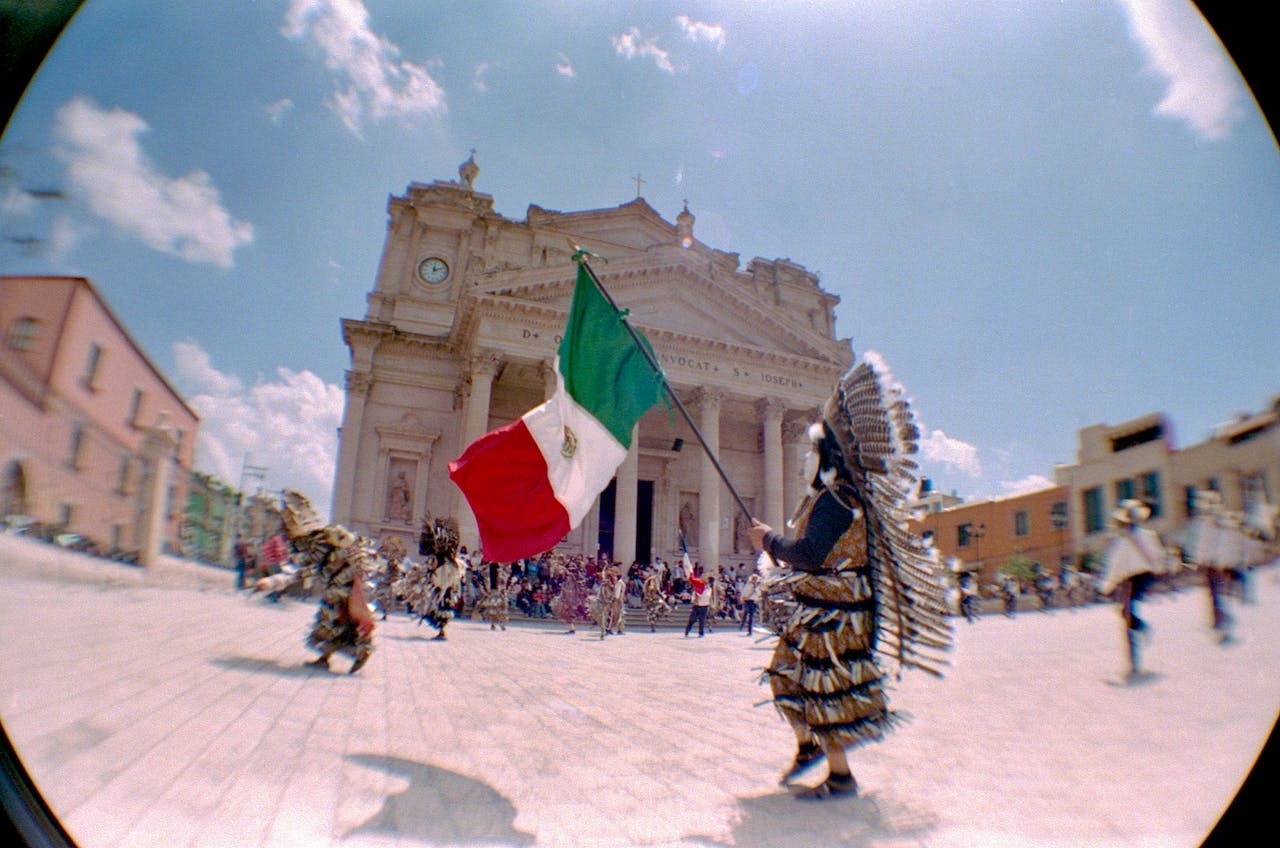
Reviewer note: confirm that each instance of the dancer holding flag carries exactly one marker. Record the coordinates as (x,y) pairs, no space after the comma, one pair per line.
(865,588)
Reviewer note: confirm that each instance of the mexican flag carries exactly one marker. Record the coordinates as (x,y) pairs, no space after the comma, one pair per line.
(531,482)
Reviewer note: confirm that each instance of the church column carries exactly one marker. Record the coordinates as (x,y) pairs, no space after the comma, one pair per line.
(710,483)
(475,423)
(771,410)
(626,501)
(548,372)
(344,488)
(795,446)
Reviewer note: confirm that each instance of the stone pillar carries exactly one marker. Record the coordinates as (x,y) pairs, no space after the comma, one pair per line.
(709,401)
(795,446)
(158,447)
(549,375)
(475,423)
(344,486)
(771,410)
(626,502)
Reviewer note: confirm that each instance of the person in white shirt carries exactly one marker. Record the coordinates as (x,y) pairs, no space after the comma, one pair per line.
(1133,559)
(750,596)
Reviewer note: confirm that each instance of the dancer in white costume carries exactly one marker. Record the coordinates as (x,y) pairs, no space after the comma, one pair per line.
(1132,560)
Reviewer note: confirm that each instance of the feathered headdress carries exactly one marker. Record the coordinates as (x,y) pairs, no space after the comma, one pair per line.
(300,517)
(872,424)
(447,538)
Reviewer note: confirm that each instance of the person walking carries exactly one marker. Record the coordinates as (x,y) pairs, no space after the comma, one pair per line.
(700,604)
(1132,561)
(750,595)
(969,596)
(1215,549)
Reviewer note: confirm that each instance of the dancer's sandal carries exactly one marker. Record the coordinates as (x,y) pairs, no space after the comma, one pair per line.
(835,786)
(807,755)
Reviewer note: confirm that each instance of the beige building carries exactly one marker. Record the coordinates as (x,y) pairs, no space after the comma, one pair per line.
(93,439)
(1137,459)
(983,536)
(460,336)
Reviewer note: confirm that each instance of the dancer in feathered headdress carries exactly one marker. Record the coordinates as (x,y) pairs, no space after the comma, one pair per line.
(433,587)
(343,621)
(866,589)
(392,553)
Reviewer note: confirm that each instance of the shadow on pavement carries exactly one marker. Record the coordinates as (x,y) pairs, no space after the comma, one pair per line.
(258,665)
(440,807)
(780,819)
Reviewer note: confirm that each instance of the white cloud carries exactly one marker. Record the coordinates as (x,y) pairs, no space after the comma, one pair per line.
(631,45)
(371,77)
(1204,88)
(276,111)
(108,169)
(17,202)
(697,31)
(477,79)
(959,455)
(1028,484)
(64,235)
(287,425)
(564,67)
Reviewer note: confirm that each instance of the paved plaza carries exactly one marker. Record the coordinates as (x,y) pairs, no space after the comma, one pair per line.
(164,709)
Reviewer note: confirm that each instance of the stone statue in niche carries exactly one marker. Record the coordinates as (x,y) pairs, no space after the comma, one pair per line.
(689,521)
(400,504)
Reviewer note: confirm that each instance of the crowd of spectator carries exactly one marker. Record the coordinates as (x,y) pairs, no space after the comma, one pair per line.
(534,582)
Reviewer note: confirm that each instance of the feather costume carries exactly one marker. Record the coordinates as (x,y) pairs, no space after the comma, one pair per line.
(655,603)
(493,606)
(864,590)
(570,601)
(341,560)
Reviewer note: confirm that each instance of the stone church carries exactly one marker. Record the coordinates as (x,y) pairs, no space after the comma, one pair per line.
(460,337)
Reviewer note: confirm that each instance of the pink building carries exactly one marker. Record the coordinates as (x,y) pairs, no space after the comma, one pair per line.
(93,439)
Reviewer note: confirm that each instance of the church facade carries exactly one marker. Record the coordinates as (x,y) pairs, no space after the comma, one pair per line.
(460,336)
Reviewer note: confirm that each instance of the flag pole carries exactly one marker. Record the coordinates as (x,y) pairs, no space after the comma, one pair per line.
(580,255)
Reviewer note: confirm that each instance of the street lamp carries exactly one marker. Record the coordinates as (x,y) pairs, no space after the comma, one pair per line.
(977,533)
(1058,515)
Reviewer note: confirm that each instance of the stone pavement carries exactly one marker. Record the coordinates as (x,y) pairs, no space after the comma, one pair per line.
(164,709)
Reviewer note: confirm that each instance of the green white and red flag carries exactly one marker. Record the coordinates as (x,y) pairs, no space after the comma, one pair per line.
(531,482)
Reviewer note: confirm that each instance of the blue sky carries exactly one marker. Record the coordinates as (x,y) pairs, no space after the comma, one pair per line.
(1042,215)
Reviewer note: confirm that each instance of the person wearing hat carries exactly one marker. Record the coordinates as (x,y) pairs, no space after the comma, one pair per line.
(1131,561)
(866,590)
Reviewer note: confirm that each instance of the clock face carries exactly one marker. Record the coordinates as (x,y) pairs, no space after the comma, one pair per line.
(433,270)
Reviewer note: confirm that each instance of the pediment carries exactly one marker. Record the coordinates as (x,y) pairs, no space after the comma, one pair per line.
(631,227)
(676,301)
